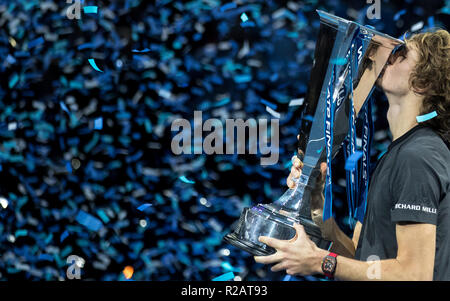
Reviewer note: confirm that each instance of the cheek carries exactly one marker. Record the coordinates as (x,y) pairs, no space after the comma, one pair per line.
(399,73)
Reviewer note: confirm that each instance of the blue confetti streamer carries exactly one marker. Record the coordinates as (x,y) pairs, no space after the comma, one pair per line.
(88,221)
(94,65)
(399,14)
(20,233)
(426,117)
(269,104)
(247,24)
(224,277)
(144,206)
(85,46)
(185,180)
(141,51)
(244,17)
(228,6)
(287,278)
(64,236)
(98,123)
(36,42)
(90,9)
(13,81)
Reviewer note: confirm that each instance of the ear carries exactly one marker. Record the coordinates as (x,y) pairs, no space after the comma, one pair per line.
(420,91)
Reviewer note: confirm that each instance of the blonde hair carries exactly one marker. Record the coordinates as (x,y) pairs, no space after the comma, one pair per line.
(431,76)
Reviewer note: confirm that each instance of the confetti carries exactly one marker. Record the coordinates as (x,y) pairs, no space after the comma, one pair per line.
(185,180)
(247,24)
(64,236)
(128,272)
(20,233)
(94,65)
(244,17)
(269,104)
(89,221)
(418,26)
(90,9)
(272,112)
(224,277)
(399,14)
(144,206)
(141,51)
(36,42)
(98,123)
(426,117)
(4,202)
(296,102)
(228,6)
(13,81)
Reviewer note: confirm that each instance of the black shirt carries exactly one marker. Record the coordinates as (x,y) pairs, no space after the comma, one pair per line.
(411,183)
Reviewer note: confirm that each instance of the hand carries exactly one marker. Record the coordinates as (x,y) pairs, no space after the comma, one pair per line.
(297,256)
(317,197)
(296,171)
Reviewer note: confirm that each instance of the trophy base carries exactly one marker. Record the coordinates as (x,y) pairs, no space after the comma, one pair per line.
(247,246)
(263,221)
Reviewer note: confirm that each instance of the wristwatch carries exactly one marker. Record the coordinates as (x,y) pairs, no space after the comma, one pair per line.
(329,263)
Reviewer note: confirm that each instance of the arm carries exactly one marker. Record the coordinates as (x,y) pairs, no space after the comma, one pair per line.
(414,261)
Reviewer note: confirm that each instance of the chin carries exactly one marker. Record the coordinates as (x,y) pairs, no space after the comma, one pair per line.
(380,83)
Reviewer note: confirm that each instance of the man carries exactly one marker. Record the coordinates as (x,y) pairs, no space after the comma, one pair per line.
(407,222)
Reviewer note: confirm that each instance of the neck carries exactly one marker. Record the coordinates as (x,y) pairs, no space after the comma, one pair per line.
(402,113)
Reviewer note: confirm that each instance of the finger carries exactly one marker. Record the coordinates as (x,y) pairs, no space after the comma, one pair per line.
(279,267)
(323,169)
(300,231)
(293,159)
(298,137)
(269,259)
(290,272)
(295,172)
(293,238)
(297,163)
(273,242)
(290,183)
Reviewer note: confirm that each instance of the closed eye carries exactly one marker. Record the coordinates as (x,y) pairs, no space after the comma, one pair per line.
(399,52)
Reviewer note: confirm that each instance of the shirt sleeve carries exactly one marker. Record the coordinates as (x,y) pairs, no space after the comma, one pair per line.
(416,186)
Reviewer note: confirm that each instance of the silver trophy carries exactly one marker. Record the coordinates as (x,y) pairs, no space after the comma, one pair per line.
(349,58)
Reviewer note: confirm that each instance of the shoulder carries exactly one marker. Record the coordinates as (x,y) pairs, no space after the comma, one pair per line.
(425,145)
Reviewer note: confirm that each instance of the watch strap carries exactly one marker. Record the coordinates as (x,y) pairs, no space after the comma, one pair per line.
(326,273)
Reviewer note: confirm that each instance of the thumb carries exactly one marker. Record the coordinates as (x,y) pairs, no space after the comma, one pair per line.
(300,230)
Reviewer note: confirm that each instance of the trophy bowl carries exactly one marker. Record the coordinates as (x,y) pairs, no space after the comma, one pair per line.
(264,220)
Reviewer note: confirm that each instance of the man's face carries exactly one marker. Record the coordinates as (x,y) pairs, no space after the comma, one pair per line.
(395,79)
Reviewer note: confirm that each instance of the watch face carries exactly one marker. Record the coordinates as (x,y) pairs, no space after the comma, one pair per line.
(329,264)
